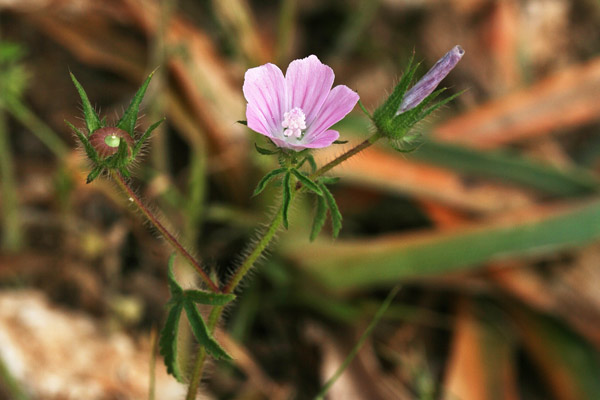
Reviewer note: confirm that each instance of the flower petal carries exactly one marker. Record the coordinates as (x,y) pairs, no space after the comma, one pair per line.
(323,139)
(266,94)
(308,83)
(339,103)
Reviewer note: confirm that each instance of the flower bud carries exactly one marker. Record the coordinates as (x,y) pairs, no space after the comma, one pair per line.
(427,84)
(106,141)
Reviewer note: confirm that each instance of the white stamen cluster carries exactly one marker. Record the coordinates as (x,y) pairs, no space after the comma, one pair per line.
(294,121)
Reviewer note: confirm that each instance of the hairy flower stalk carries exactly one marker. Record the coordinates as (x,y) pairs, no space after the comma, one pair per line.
(296,113)
(114,149)
(284,122)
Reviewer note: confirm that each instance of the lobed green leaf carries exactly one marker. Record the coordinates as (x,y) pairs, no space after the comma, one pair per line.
(208,298)
(320,217)
(287,197)
(174,287)
(167,343)
(262,184)
(336,216)
(309,184)
(202,333)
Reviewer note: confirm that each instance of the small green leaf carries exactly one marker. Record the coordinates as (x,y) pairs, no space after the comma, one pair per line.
(201,332)
(340,142)
(129,118)
(92,121)
(336,216)
(329,180)
(213,299)
(320,217)
(89,150)
(266,179)
(145,136)
(167,343)
(242,122)
(265,152)
(287,197)
(94,174)
(307,182)
(174,287)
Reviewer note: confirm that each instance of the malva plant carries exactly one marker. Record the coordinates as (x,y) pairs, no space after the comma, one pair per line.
(295,113)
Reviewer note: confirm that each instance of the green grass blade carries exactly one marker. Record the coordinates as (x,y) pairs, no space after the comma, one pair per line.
(509,167)
(387,260)
(384,306)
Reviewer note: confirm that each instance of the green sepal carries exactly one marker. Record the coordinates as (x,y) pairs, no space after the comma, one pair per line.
(202,333)
(262,184)
(94,173)
(167,344)
(129,118)
(383,116)
(138,145)
(92,121)
(320,217)
(265,152)
(340,141)
(287,197)
(306,182)
(208,298)
(336,216)
(242,122)
(89,150)
(311,162)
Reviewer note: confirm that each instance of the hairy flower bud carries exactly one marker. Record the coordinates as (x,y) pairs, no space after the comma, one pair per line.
(106,141)
(427,84)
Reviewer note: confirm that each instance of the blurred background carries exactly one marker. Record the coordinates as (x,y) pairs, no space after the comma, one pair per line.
(492,227)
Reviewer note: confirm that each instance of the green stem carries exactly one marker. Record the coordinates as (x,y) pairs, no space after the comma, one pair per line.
(216,312)
(11,240)
(168,236)
(38,127)
(260,247)
(353,151)
(359,344)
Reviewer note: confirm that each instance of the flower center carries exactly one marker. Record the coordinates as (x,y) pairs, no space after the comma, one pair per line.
(294,121)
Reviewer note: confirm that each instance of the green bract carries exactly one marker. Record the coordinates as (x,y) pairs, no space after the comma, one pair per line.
(395,125)
(111,147)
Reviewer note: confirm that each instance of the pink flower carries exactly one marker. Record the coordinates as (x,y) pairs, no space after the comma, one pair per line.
(296,111)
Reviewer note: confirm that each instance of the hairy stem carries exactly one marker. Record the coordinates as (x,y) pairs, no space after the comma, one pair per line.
(256,252)
(163,230)
(353,151)
(216,312)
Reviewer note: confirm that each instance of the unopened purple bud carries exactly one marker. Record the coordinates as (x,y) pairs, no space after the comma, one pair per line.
(427,84)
